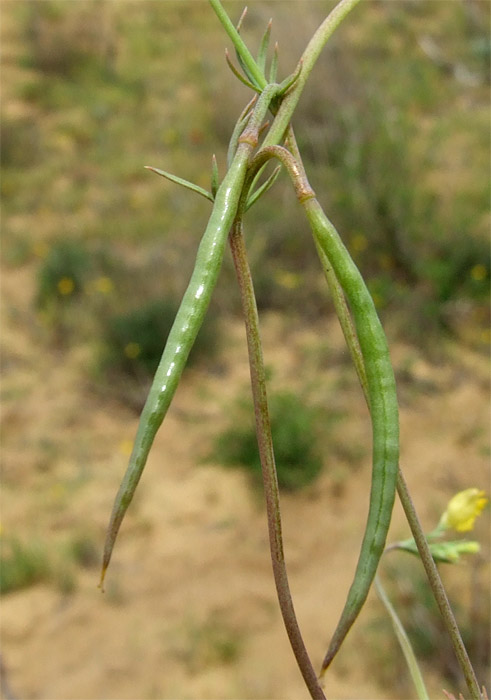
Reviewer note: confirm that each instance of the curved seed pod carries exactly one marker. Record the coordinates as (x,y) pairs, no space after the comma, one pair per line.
(384,414)
(381,389)
(188,319)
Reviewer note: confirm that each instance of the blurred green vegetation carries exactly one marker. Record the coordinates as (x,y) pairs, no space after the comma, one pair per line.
(393,126)
(26,563)
(294,426)
(134,340)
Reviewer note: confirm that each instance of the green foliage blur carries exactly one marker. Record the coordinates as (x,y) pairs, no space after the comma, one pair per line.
(297,452)
(134,340)
(393,126)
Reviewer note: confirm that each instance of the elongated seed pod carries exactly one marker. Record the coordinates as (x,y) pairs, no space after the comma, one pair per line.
(381,388)
(188,319)
(384,415)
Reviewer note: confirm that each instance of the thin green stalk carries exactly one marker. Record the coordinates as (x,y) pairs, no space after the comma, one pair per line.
(265,443)
(437,588)
(308,59)
(239,44)
(403,640)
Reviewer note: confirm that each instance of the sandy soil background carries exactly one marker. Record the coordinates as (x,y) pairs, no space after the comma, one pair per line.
(189,610)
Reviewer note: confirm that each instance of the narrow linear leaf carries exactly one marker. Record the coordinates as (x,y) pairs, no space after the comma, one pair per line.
(263,48)
(215,180)
(290,81)
(247,72)
(273,70)
(241,61)
(185,183)
(241,19)
(238,129)
(237,74)
(263,188)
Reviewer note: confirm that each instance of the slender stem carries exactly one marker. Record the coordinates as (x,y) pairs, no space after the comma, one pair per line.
(265,443)
(295,169)
(239,44)
(403,640)
(308,59)
(437,588)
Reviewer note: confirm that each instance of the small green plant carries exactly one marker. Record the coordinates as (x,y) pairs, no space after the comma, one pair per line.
(22,564)
(62,274)
(212,642)
(134,339)
(293,426)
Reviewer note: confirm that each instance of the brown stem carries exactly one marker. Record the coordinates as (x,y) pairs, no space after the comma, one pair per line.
(437,588)
(293,163)
(265,443)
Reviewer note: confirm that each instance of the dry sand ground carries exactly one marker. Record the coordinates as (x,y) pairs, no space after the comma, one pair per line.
(190,610)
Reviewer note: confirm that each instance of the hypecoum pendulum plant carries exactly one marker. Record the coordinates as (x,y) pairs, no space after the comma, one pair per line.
(231,198)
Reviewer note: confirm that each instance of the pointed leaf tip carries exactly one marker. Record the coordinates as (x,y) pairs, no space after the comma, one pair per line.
(180,181)
(241,18)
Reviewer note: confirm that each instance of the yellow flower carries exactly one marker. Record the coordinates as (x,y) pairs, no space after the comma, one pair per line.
(126,447)
(359,242)
(104,285)
(478,273)
(132,350)
(66,286)
(289,280)
(463,509)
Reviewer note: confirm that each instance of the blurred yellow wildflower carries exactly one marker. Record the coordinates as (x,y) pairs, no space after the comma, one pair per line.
(463,509)
(66,286)
(40,249)
(478,273)
(359,242)
(289,280)
(125,447)
(132,350)
(103,285)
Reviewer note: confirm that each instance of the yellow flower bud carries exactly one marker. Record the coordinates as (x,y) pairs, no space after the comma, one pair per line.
(66,286)
(132,350)
(463,509)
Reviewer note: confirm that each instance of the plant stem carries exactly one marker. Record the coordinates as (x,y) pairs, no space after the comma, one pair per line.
(239,44)
(296,171)
(308,59)
(437,588)
(403,640)
(265,443)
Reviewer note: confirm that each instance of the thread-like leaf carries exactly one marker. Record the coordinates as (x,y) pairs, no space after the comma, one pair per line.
(215,180)
(273,69)
(180,181)
(290,81)
(263,188)
(234,70)
(263,48)
(238,129)
(241,19)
